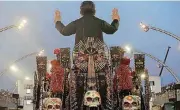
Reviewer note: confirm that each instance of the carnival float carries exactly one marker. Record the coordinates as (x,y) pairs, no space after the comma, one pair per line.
(91,77)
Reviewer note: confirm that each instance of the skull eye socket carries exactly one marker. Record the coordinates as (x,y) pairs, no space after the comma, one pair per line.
(134,104)
(57,106)
(127,104)
(88,93)
(89,99)
(50,106)
(96,99)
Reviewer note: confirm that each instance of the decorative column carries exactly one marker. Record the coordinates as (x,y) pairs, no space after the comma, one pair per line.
(41,72)
(117,53)
(147,90)
(63,56)
(139,60)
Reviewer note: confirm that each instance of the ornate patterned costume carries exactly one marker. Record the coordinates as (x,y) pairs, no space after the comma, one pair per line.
(91,69)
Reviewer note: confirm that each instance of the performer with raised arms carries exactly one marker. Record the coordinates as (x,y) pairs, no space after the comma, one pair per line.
(88,25)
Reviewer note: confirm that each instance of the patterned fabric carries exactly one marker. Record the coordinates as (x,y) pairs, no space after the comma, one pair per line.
(123,78)
(57,78)
(81,61)
(93,47)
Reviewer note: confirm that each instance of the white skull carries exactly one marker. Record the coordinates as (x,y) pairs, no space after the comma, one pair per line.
(92,98)
(131,102)
(52,104)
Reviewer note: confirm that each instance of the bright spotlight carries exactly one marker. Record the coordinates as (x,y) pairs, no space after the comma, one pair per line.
(27,78)
(41,53)
(22,24)
(24,21)
(19,27)
(143,76)
(14,68)
(144,27)
(127,49)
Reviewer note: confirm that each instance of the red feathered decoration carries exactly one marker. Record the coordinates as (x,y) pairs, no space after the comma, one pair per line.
(48,76)
(57,51)
(123,76)
(125,61)
(57,77)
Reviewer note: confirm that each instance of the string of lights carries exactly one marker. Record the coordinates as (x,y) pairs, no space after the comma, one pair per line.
(6,28)
(129,50)
(19,26)
(14,68)
(146,28)
(159,61)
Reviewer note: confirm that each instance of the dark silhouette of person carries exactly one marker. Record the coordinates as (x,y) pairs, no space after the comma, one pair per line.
(88,25)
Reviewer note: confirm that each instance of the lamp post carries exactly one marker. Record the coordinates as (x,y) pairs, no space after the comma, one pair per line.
(164,61)
(19,26)
(146,28)
(14,68)
(145,77)
(130,50)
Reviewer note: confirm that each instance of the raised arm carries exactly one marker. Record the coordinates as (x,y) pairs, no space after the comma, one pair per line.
(66,30)
(113,27)
(110,28)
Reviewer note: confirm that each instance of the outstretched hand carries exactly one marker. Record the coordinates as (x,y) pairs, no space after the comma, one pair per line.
(57,16)
(115,14)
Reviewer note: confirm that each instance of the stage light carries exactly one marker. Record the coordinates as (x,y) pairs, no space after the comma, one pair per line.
(128,49)
(22,24)
(143,75)
(144,27)
(41,53)
(14,68)
(27,78)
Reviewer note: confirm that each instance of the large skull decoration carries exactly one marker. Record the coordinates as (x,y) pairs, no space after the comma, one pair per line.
(52,104)
(131,102)
(92,98)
